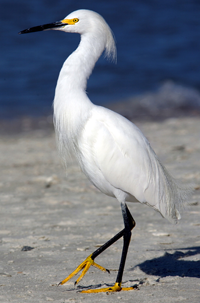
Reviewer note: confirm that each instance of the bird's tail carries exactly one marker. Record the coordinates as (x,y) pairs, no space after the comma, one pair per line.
(168,192)
(173,193)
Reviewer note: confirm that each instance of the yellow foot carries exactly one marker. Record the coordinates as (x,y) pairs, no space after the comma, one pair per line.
(85,265)
(116,287)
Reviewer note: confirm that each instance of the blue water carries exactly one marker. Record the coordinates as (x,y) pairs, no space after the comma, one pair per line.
(156,41)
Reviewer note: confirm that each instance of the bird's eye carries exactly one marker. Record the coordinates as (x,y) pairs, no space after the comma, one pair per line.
(75,20)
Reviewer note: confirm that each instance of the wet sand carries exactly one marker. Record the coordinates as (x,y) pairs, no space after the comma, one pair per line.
(63,218)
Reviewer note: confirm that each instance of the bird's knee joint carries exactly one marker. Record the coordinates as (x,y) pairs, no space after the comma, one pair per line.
(133,224)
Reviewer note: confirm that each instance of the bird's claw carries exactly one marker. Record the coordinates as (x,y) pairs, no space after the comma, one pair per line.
(116,287)
(85,265)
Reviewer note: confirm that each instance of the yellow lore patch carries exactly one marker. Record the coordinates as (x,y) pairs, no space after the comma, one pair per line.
(70,21)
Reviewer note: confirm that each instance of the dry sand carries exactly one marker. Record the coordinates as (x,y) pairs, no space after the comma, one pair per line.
(64,218)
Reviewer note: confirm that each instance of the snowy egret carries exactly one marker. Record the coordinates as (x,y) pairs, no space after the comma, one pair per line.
(111,151)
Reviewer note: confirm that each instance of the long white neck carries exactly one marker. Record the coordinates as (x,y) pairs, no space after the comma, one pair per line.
(77,68)
(71,105)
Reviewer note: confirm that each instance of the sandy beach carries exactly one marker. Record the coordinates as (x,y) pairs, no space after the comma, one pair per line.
(51,219)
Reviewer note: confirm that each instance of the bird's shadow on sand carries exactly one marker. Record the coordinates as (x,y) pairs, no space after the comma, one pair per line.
(175,264)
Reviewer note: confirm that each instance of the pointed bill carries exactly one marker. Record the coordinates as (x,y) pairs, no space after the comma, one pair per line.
(45,27)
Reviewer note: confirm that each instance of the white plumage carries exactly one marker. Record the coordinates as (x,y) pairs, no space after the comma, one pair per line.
(112,151)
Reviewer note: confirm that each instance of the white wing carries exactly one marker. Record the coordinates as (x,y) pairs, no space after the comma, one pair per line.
(115,154)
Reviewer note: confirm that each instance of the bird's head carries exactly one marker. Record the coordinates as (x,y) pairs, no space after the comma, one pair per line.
(76,22)
(83,22)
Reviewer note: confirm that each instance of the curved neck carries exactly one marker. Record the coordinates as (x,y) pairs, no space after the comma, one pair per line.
(79,65)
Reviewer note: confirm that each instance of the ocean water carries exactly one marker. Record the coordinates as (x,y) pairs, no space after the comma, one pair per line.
(157,41)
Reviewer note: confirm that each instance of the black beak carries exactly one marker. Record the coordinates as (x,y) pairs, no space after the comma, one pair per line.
(42,27)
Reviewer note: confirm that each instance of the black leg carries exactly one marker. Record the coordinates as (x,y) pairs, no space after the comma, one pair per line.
(129,224)
(107,244)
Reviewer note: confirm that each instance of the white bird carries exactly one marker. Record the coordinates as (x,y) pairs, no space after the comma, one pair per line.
(111,151)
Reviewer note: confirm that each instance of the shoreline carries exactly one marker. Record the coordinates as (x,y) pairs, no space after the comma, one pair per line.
(170,100)
(29,123)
